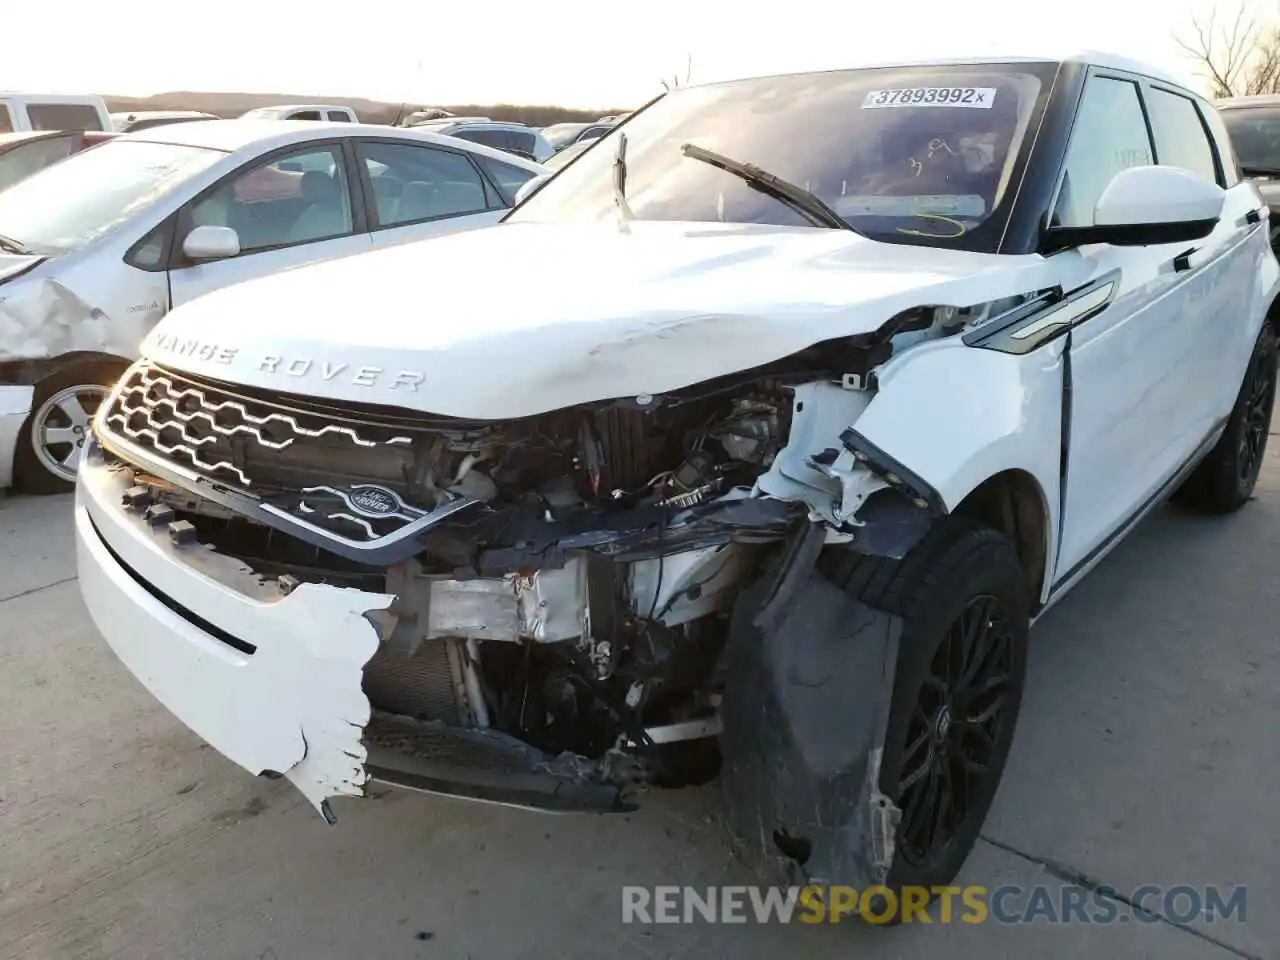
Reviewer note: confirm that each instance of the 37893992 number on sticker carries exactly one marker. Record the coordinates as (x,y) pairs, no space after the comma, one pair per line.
(974,98)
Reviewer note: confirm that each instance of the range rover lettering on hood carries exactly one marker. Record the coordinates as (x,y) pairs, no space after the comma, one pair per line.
(326,371)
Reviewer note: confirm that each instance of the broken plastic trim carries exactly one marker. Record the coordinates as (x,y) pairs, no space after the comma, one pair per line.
(893,472)
(804,728)
(386,551)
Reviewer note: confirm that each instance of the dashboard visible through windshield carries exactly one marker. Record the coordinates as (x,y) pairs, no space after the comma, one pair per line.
(911,154)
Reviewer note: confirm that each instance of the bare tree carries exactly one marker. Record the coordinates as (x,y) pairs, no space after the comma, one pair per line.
(1238,58)
(675,81)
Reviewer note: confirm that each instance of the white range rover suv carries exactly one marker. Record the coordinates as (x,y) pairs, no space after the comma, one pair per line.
(847,378)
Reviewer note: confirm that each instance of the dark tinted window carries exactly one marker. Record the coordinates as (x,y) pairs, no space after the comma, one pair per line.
(1110,135)
(1181,140)
(63,116)
(152,252)
(923,155)
(490,138)
(305,115)
(1255,136)
(340,115)
(520,142)
(508,178)
(413,183)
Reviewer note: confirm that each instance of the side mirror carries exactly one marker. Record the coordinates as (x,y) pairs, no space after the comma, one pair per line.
(530,187)
(1148,205)
(211,243)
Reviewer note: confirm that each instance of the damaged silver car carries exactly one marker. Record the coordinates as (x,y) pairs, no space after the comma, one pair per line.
(95,249)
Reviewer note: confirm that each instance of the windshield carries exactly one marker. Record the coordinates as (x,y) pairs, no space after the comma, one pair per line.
(72,203)
(1255,136)
(913,155)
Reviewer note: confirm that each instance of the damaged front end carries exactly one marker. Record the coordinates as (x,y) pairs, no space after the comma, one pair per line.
(544,612)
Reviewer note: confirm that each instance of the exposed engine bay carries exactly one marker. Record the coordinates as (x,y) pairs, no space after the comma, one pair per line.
(564,581)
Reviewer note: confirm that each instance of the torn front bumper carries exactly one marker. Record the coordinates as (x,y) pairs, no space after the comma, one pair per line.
(15,407)
(804,721)
(276,682)
(272,682)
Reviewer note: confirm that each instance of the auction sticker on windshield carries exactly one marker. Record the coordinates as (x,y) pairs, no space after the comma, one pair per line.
(977,98)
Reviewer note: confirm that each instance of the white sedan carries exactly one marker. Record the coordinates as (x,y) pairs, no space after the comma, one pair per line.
(96,249)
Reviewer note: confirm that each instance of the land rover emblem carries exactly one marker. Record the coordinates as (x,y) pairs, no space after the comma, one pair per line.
(372,501)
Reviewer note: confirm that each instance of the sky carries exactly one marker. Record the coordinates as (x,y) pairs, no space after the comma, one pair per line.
(573,53)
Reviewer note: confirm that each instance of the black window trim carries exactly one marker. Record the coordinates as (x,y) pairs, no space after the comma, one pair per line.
(370,201)
(340,147)
(491,180)
(167,228)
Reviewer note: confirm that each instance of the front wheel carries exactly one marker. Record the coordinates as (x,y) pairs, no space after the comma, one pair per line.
(957,691)
(49,446)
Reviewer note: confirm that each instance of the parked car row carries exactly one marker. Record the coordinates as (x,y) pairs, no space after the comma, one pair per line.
(515,138)
(848,378)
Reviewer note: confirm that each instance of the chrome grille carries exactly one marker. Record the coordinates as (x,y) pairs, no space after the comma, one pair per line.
(249,443)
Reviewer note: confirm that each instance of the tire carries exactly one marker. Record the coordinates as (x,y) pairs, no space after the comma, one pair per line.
(63,406)
(963,573)
(1224,480)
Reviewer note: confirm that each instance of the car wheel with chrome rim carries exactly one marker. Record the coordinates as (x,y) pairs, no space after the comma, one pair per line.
(54,435)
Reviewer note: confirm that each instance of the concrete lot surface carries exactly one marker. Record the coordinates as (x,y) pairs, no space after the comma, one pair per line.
(1146,754)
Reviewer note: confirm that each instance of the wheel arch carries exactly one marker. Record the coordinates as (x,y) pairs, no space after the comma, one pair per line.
(32,371)
(1014,503)
(1273,314)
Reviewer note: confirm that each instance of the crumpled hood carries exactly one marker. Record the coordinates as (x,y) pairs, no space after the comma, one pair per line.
(523,318)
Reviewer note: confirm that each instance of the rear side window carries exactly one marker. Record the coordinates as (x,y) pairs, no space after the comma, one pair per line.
(521,143)
(1110,135)
(490,138)
(1181,140)
(63,116)
(508,178)
(413,183)
(6,119)
(340,115)
(305,115)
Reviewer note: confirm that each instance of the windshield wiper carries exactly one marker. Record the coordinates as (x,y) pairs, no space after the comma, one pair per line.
(797,198)
(10,245)
(1251,171)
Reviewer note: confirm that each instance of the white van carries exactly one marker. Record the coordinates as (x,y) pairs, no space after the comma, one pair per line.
(52,111)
